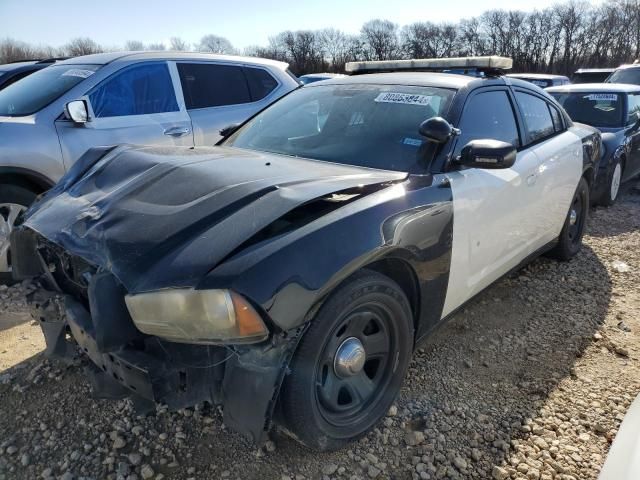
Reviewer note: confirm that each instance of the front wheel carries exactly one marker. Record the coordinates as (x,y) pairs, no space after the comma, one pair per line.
(14,201)
(350,364)
(570,239)
(610,195)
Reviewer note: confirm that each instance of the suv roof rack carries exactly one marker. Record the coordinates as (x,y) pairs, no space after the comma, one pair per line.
(490,65)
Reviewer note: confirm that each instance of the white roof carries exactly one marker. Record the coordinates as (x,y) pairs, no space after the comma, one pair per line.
(492,62)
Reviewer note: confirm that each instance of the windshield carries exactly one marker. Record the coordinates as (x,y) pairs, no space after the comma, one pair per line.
(593,108)
(367,125)
(625,75)
(39,89)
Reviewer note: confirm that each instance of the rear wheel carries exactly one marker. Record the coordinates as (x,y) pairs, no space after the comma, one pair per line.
(570,239)
(350,364)
(14,201)
(610,194)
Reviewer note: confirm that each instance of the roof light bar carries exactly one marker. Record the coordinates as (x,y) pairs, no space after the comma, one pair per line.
(488,63)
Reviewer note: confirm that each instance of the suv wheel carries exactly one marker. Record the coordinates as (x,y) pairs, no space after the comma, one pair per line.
(14,201)
(350,364)
(610,195)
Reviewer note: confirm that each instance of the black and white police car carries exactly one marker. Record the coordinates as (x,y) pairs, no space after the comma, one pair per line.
(289,272)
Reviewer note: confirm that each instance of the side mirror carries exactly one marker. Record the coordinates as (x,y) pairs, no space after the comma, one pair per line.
(77,111)
(490,154)
(229,130)
(437,130)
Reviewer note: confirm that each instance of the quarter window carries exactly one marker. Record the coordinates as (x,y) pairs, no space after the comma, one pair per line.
(488,115)
(139,90)
(211,85)
(537,117)
(558,124)
(261,83)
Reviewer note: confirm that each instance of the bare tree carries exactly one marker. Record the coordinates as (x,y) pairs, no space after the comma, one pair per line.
(134,45)
(215,44)
(82,46)
(380,38)
(156,47)
(178,45)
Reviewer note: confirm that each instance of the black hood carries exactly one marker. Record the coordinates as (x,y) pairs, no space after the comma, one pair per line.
(163,217)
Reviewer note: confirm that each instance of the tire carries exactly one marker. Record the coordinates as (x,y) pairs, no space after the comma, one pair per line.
(323,404)
(570,239)
(14,200)
(610,195)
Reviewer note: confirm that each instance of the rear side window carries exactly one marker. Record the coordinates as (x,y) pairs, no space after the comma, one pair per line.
(558,124)
(488,115)
(261,83)
(139,90)
(537,117)
(209,85)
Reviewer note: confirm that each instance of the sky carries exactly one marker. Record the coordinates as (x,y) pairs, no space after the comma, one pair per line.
(243,22)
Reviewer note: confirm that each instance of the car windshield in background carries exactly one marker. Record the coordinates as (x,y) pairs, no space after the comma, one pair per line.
(625,75)
(38,90)
(367,125)
(596,109)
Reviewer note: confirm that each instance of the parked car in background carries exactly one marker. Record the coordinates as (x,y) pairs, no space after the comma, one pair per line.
(625,74)
(614,109)
(12,72)
(289,273)
(542,80)
(317,77)
(50,118)
(591,75)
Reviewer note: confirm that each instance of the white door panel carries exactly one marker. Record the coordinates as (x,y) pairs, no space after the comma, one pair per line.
(558,176)
(493,225)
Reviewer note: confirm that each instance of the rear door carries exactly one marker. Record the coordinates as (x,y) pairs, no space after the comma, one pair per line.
(497,213)
(137,104)
(221,94)
(559,153)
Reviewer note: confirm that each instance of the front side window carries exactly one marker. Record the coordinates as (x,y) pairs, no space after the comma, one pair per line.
(634,109)
(598,109)
(139,90)
(488,116)
(207,85)
(39,89)
(537,117)
(366,125)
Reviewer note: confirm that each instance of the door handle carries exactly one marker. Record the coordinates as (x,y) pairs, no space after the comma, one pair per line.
(176,131)
(531,179)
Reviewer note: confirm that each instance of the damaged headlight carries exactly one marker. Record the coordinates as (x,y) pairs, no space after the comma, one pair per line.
(197,316)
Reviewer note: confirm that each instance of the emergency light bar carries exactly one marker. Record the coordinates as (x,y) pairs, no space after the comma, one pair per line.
(491,63)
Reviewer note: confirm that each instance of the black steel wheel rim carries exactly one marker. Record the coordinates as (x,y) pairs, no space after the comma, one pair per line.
(575,227)
(343,400)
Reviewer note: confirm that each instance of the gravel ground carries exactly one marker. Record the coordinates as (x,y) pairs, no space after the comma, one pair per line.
(531,381)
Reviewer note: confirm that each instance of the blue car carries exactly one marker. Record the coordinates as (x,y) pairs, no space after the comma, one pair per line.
(614,109)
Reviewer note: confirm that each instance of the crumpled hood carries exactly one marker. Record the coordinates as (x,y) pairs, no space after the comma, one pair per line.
(163,217)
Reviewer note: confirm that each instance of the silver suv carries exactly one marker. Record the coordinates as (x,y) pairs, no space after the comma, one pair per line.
(50,118)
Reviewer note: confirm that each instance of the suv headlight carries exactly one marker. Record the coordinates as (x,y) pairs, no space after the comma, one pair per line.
(197,316)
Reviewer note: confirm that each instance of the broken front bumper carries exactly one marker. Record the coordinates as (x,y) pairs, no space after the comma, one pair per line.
(244,380)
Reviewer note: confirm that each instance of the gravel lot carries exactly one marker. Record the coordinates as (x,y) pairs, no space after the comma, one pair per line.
(531,381)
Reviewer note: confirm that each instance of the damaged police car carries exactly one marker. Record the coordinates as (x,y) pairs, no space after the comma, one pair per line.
(288,273)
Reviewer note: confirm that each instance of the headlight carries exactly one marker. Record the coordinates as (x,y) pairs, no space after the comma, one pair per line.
(197,316)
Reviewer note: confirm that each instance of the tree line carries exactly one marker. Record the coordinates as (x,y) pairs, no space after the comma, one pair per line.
(558,39)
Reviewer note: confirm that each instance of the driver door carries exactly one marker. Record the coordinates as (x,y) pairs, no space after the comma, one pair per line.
(496,212)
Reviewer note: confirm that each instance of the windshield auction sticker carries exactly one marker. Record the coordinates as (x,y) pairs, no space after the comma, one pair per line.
(78,72)
(404,98)
(606,97)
